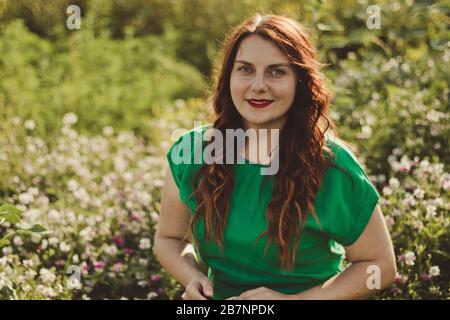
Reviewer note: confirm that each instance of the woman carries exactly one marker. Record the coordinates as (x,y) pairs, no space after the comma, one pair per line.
(279,236)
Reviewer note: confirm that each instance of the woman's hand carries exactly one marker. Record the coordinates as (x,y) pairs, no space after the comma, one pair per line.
(262,293)
(199,288)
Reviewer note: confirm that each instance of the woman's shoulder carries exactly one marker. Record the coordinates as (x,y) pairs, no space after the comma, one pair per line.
(187,140)
(185,154)
(343,154)
(183,135)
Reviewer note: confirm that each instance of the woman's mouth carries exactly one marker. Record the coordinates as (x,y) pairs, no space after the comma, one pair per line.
(259,103)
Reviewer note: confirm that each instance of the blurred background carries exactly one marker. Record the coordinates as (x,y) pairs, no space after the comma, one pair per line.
(87,115)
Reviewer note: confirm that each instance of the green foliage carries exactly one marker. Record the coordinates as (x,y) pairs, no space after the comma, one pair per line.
(107,82)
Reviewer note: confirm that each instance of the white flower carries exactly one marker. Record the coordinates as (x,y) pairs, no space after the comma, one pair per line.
(409,200)
(30,124)
(145,198)
(389,220)
(64,247)
(108,131)
(391,159)
(180,103)
(26,198)
(437,202)
(53,215)
(32,214)
(387,191)
(396,213)
(53,241)
(87,234)
(2,281)
(120,164)
(418,225)
(44,244)
(47,276)
(36,238)
(397,152)
(144,244)
(30,273)
(151,295)
(70,118)
(431,211)
(143,262)
(75,258)
(28,263)
(394,183)
(410,258)
(445,182)
(18,241)
(434,116)
(142,283)
(158,183)
(434,271)
(33,191)
(43,201)
(46,291)
(419,193)
(70,216)
(72,185)
(3,261)
(111,250)
(7,251)
(381,178)
(154,215)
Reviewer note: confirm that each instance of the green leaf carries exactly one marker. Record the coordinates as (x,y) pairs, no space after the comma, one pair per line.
(4,242)
(10,213)
(24,232)
(8,208)
(9,235)
(37,228)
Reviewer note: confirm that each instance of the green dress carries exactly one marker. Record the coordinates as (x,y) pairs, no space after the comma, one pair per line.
(343,208)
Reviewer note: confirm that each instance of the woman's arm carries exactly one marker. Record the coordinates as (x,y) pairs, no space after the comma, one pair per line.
(372,252)
(176,255)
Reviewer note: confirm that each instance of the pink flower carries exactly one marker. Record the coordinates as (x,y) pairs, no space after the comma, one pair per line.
(84,267)
(118,240)
(128,251)
(98,265)
(425,277)
(60,263)
(134,216)
(121,195)
(155,277)
(36,180)
(404,169)
(118,267)
(400,279)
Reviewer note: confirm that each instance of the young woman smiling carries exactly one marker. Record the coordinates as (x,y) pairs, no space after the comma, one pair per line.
(226,231)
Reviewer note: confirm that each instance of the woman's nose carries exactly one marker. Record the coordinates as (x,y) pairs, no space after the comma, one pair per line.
(258,83)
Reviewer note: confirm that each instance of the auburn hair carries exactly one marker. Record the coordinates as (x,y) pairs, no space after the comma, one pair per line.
(302,163)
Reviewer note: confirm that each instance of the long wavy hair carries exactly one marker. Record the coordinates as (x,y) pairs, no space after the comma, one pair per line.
(302,163)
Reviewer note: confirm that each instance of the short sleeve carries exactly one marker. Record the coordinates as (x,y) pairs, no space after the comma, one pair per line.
(185,158)
(352,197)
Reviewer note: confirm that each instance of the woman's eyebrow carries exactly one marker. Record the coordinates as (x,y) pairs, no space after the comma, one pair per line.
(271,66)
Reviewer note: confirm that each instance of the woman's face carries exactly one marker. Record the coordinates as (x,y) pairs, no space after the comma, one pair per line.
(262,71)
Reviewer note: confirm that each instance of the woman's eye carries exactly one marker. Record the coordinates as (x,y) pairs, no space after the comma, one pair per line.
(244,69)
(278,72)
